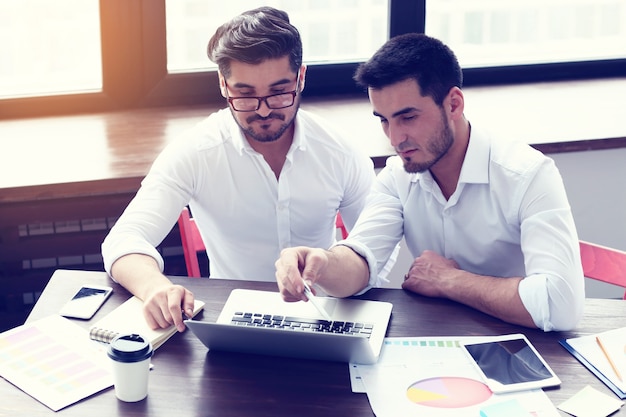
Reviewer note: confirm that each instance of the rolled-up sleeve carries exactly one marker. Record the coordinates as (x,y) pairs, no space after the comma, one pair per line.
(375,279)
(150,215)
(553,288)
(379,229)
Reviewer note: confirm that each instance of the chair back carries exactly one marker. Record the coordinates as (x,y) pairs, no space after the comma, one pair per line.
(342,227)
(603,264)
(193,243)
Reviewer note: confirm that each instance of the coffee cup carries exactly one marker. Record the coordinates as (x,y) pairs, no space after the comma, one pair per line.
(130,360)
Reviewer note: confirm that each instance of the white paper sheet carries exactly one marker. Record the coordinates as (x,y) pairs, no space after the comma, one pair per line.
(433,377)
(54,361)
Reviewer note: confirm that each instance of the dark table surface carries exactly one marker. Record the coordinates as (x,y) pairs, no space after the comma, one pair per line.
(188,380)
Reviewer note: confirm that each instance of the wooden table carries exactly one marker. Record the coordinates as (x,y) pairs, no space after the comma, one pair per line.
(187,380)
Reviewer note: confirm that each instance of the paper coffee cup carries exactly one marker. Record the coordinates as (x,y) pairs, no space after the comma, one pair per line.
(130,360)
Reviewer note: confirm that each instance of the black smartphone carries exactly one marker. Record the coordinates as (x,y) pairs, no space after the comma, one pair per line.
(86,302)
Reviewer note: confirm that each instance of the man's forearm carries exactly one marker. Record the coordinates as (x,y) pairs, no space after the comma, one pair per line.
(495,296)
(346,274)
(139,274)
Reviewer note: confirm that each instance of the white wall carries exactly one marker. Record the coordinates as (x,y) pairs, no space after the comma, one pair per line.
(596,186)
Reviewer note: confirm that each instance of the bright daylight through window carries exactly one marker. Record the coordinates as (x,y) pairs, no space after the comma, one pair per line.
(332,30)
(49,47)
(495,33)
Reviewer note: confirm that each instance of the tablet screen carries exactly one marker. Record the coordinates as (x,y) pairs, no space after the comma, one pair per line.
(511,363)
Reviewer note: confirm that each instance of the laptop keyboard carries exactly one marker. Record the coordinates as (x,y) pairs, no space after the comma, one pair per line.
(301,324)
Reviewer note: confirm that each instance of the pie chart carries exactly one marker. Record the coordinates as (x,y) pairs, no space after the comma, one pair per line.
(448,392)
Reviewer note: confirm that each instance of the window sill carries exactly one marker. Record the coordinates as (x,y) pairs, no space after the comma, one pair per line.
(104,153)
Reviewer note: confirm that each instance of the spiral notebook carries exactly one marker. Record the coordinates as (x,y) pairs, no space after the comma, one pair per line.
(128,318)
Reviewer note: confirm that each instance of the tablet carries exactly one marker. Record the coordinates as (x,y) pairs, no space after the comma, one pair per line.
(510,363)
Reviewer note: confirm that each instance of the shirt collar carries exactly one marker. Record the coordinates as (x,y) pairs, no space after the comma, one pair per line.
(241,143)
(475,167)
(299,138)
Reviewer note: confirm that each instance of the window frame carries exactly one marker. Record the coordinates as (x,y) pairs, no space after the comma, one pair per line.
(135,66)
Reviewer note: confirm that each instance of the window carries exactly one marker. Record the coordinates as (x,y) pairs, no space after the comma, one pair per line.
(49,47)
(492,33)
(332,31)
(142,53)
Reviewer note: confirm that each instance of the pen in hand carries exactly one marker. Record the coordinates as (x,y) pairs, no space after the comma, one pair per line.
(313,300)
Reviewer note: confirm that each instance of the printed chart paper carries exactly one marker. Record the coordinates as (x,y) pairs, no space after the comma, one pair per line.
(433,377)
(54,361)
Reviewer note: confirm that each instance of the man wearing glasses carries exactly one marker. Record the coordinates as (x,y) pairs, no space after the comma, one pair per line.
(258,177)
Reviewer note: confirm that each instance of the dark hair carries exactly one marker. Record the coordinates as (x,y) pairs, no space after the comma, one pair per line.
(255,36)
(413,56)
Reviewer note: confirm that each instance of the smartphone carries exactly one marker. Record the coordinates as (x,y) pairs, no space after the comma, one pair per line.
(86,302)
(510,363)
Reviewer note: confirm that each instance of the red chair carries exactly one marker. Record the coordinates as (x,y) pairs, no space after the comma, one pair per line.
(339,224)
(604,264)
(192,241)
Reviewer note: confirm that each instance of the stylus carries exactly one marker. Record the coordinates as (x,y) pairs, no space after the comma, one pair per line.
(313,300)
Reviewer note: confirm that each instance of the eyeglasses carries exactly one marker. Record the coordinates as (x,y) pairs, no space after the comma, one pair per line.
(273,101)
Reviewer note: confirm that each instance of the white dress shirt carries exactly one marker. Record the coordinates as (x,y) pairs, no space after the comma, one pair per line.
(508,217)
(245,215)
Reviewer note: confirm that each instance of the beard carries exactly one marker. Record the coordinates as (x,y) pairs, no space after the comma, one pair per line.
(263,135)
(438,146)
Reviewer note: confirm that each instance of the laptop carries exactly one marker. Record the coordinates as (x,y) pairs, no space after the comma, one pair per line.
(260,322)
